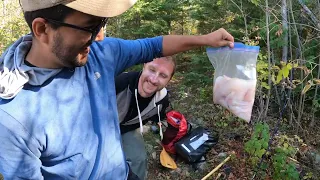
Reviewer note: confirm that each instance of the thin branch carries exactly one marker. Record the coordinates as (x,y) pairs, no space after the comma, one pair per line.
(244,17)
(290,102)
(305,25)
(312,16)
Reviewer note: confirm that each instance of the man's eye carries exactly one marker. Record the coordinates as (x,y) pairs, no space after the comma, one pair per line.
(90,27)
(152,70)
(164,76)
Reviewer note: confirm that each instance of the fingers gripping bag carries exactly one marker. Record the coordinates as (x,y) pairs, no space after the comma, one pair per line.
(234,83)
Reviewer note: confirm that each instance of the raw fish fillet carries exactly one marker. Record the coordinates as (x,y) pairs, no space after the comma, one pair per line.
(237,95)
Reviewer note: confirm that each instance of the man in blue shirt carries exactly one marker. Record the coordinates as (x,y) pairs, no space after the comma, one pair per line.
(58,112)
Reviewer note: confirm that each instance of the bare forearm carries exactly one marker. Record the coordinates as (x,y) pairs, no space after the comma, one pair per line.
(173,44)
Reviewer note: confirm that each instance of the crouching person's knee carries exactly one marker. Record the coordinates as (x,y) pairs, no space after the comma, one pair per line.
(135,152)
(138,164)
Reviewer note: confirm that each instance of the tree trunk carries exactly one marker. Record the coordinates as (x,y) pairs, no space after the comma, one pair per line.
(312,123)
(269,59)
(284,12)
(290,102)
(299,55)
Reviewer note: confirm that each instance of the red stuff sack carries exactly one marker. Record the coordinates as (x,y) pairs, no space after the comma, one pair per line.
(177,128)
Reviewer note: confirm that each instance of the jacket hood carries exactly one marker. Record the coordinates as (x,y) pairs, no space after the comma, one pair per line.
(14,73)
(160,95)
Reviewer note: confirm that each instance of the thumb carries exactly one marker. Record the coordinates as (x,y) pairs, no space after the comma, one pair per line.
(226,43)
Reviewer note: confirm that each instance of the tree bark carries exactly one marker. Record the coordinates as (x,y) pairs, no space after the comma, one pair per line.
(312,123)
(284,12)
(298,56)
(312,16)
(269,59)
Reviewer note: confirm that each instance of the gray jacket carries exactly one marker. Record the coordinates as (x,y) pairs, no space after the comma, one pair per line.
(126,87)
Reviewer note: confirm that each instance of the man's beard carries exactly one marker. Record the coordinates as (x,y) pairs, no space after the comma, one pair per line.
(67,55)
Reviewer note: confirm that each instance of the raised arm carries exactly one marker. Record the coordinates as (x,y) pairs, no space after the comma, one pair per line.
(173,44)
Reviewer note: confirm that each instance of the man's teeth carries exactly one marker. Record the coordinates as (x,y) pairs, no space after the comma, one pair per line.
(150,84)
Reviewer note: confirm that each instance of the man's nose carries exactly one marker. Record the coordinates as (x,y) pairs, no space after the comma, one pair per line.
(154,78)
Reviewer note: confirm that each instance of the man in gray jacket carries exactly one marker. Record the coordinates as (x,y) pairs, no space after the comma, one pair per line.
(142,96)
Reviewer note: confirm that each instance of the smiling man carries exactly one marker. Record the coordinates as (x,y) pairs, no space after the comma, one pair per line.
(58,112)
(141,97)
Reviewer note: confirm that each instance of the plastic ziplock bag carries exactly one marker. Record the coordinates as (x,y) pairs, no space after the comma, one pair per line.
(234,83)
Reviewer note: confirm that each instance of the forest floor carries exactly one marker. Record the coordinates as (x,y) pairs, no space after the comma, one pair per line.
(233,133)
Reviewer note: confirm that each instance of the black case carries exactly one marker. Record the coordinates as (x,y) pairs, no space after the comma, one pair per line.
(186,151)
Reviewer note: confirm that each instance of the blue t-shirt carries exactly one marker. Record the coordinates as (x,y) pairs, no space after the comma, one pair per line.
(68,128)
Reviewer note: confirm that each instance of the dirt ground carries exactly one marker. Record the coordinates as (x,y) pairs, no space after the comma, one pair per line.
(233,133)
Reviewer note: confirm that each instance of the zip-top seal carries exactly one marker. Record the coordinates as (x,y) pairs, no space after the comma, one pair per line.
(238,46)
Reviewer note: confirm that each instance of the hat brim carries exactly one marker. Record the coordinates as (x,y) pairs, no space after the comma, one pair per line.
(101,8)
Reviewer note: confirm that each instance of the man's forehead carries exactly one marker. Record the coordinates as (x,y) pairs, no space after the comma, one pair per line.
(162,61)
(164,65)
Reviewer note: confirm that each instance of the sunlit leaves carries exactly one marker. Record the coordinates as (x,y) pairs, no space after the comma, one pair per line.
(284,71)
(307,87)
(255,2)
(12,24)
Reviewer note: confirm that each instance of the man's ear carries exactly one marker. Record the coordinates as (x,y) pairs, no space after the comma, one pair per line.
(40,30)
(144,65)
(100,35)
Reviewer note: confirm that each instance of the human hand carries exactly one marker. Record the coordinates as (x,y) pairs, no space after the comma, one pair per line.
(219,38)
